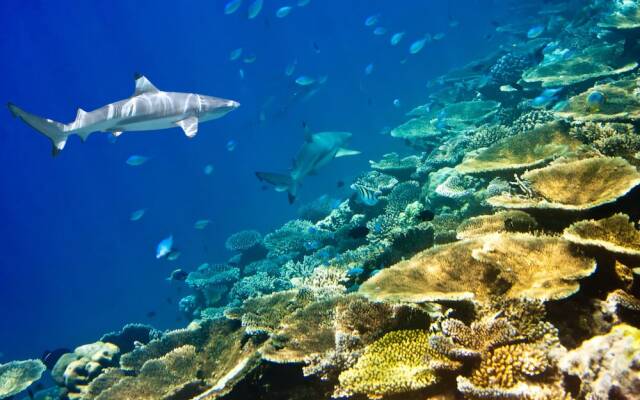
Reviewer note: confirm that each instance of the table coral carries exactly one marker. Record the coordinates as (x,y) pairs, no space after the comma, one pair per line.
(573,186)
(16,376)
(500,222)
(615,234)
(509,265)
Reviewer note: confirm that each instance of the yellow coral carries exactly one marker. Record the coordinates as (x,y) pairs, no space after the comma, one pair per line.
(615,234)
(510,265)
(573,186)
(399,362)
(526,150)
(503,221)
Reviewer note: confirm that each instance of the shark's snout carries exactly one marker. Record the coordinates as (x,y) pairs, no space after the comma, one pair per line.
(233,104)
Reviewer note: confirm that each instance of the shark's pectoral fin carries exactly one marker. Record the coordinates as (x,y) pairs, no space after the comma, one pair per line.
(143,85)
(346,152)
(84,135)
(189,126)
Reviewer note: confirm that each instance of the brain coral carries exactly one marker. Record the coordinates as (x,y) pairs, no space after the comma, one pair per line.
(399,362)
(511,265)
(16,376)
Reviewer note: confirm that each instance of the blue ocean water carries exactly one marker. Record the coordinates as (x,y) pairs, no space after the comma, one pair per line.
(72,264)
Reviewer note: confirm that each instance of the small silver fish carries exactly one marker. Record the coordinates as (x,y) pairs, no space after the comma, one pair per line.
(201,224)
(302,3)
(291,68)
(208,169)
(283,11)
(305,80)
(508,89)
(371,20)
(232,6)
(418,45)
(379,31)
(254,9)
(235,54)
(396,38)
(367,196)
(136,161)
(136,215)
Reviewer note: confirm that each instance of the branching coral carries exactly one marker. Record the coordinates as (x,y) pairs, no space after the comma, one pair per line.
(319,208)
(295,238)
(509,265)
(574,186)
(399,362)
(611,139)
(256,285)
(607,364)
(615,234)
(323,283)
(16,376)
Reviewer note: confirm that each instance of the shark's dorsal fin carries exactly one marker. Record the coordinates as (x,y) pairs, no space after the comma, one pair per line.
(189,125)
(143,85)
(80,114)
(308,135)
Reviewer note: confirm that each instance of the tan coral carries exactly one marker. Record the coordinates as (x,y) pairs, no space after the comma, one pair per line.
(510,265)
(615,234)
(621,103)
(306,333)
(399,362)
(264,314)
(526,150)
(596,61)
(611,139)
(500,222)
(573,186)
(622,15)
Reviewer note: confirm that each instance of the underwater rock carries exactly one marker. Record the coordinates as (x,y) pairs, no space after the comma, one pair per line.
(620,103)
(500,222)
(615,234)
(16,376)
(75,371)
(527,150)
(607,364)
(510,265)
(572,186)
(596,61)
(611,139)
(399,362)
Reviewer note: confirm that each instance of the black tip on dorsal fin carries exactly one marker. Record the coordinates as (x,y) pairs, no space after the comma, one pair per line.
(137,75)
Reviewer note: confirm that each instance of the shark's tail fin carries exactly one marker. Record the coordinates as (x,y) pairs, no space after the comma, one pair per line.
(282,183)
(51,129)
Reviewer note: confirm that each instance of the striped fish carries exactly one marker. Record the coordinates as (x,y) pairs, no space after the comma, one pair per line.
(367,196)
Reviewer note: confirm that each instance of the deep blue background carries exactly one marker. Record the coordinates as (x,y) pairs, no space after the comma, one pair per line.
(72,265)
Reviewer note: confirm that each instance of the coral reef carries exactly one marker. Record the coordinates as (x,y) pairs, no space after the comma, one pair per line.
(615,234)
(620,103)
(501,222)
(607,365)
(243,240)
(509,265)
(392,164)
(573,186)
(597,61)
(399,362)
(296,238)
(16,376)
(519,152)
(611,139)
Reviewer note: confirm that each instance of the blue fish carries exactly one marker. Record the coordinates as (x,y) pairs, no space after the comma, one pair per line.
(232,6)
(164,247)
(595,100)
(535,31)
(231,145)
